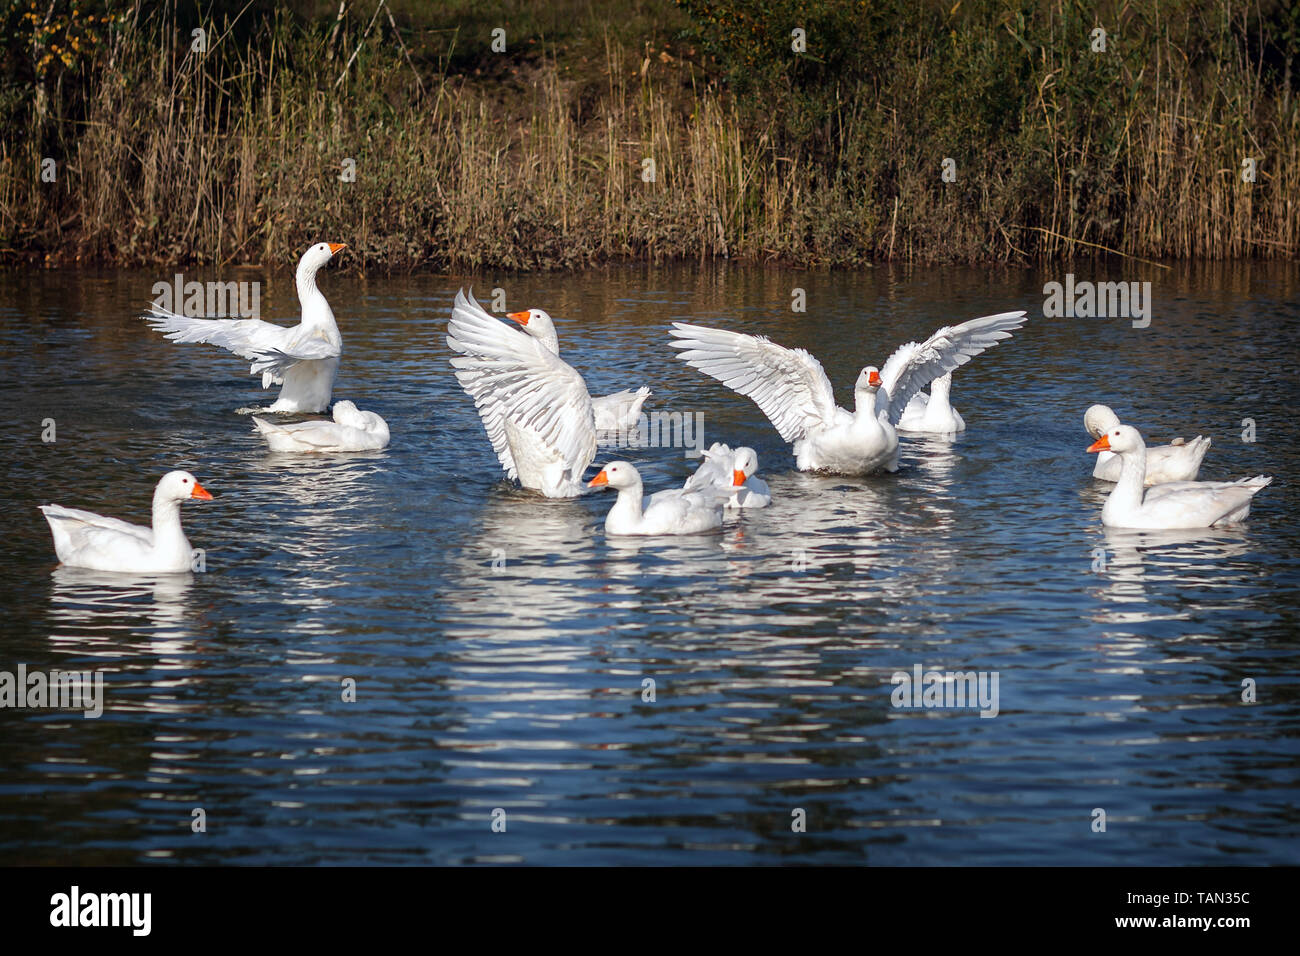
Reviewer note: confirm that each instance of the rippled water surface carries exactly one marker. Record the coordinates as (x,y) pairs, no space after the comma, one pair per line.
(501,644)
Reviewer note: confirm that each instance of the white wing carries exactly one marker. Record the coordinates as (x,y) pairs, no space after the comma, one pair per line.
(270,348)
(512,376)
(915,365)
(276,361)
(620,410)
(317,434)
(79,521)
(789,385)
(716,469)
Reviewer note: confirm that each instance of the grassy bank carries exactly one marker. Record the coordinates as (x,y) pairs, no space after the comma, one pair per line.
(535,157)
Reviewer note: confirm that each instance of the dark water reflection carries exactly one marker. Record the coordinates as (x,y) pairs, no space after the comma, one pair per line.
(500,644)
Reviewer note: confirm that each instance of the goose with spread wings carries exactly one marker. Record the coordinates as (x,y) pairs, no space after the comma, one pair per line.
(615,414)
(791,387)
(303,358)
(535,407)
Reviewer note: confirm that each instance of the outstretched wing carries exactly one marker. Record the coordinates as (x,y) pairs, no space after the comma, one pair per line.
(270,348)
(277,361)
(513,377)
(789,385)
(915,365)
(247,338)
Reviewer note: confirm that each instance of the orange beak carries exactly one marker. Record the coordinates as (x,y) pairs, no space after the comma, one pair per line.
(1101,444)
(737,477)
(337,247)
(601,479)
(200,492)
(520,317)
(874,379)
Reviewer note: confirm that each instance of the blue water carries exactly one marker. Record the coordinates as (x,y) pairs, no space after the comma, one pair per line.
(500,643)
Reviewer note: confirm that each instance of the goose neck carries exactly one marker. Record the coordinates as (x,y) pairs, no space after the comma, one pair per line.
(628,506)
(315,310)
(550,340)
(1129,490)
(167,531)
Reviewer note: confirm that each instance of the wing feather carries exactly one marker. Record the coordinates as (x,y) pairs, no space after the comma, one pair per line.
(277,361)
(916,364)
(271,349)
(789,385)
(88,521)
(512,377)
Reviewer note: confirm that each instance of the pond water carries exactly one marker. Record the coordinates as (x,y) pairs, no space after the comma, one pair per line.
(500,644)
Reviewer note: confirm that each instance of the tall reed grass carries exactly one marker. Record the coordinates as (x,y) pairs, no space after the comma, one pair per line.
(238,154)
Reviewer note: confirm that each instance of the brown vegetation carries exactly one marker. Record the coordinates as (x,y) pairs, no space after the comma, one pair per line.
(238,154)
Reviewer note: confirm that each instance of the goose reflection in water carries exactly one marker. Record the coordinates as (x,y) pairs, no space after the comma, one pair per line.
(525,567)
(142,628)
(1188,557)
(108,614)
(314,498)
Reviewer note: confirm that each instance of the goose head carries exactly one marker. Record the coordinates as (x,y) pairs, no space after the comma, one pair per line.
(539,325)
(180,486)
(347,413)
(317,256)
(866,387)
(743,465)
(1099,420)
(1120,439)
(617,475)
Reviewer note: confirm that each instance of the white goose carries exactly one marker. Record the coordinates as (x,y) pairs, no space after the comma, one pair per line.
(1174,504)
(791,388)
(676,511)
(933,414)
(1177,461)
(614,413)
(732,471)
(83,539)
(303,358)
(534,406)
(351,430)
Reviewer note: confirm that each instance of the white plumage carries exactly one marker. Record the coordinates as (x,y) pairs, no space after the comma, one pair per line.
(615,414)
(351,430)
(675,511)
(618,413)
(933,414)
(83,539)
(1177,461)
(791,387)
(534,406)
(303,358)
(1174,504)
(733,472)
